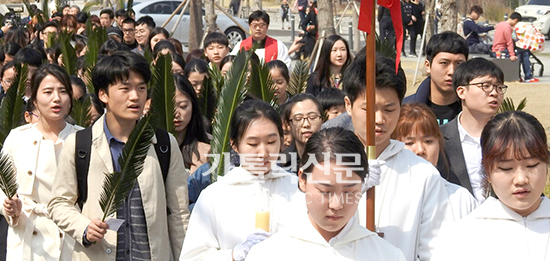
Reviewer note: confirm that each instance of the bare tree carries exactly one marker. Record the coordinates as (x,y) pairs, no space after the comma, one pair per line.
(210,16)
(325,17)
(257,5)
(195,24)
(449,15)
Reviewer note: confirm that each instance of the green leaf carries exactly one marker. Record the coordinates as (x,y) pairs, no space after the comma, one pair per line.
(261,85)
(216,78)
(508,105)
(117,185)
(163,93)
(81,111)
(96,38)
(90,4)
(208,98)
(68,51)
(12,108)
(299,78)
(385,48)
(8,176)
(130,5)
(231,96)
(45,12)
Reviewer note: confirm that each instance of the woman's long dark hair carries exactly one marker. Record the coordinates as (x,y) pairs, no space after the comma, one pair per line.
(323,66)
(195,129)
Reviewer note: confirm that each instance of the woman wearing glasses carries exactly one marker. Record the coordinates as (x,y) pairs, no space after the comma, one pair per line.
(304,114)
(516,226)
(239,210)
(479,86)
(34,149)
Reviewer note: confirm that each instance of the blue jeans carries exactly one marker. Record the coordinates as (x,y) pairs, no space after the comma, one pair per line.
(523,57)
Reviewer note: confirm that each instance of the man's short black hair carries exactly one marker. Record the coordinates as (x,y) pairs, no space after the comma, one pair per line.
(300,97)
(474,68)
(116,68)
(52,23)
(476,9)
(129,20)
(354,78)
(258,15)
(81,17)
(109,12)
(215,37)
(146,20)
(121,12)
(331,97)
(446,42)
(516,15)
(30,56)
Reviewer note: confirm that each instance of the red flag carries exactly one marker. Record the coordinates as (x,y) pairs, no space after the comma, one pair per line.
(365,16)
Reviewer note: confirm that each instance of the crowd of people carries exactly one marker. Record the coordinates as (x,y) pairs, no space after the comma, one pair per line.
(454,180)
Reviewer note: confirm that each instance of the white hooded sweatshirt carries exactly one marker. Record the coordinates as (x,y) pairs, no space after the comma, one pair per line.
(225,212)
(495,232)
(411,202)
(301,241)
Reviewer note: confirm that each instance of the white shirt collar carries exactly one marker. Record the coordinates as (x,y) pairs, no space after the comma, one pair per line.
(463,133)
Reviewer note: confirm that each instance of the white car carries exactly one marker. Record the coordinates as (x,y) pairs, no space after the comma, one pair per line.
(537,12)
(160,11)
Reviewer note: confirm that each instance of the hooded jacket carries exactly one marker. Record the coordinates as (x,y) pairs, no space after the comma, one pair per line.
(224,214)
(411,203)
(495,232)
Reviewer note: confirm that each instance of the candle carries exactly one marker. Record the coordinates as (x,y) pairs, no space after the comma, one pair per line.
(262,220)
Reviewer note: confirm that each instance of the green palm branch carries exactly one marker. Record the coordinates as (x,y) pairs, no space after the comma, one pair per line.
(385,48)
(129,5)
(96,37)
(298,79)
(12,107)
(208,98)
(231,96)
(261,85)
(163,92)
(68,51)
(89,5)
(45,12)
(217,78)
(81,111)
(8,176)
(508,105)
(117,185)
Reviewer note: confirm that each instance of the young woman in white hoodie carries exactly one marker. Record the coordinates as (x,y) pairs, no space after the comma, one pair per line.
(332,176)
(516,226)
(225,220)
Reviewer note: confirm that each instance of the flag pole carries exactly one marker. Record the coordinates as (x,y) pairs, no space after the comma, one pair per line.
(371,82)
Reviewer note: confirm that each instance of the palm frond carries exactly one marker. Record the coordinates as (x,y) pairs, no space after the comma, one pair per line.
(385,48)
(89,5)
(208,98)
(163,92)
(81,111)
(231,96)
(69,54)
(261,85)
(96,38)
(299,78)
(12,107)
(217,78)
(118,184)
(45,12)
(129,5)
(8,176)
(508,105)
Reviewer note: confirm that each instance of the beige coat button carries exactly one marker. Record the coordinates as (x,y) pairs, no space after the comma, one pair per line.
(30,172)
(34,142)
(61,235)
(34,232)
(108,251)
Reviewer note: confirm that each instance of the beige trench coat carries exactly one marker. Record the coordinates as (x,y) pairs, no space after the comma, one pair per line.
(165,233)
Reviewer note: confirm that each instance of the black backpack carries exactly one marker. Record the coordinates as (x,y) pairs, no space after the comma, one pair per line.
(83,148)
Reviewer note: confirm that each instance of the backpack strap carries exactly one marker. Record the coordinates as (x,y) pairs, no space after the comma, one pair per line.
(83,148)
(162,148)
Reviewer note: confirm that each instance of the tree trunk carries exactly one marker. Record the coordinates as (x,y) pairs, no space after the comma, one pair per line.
(325,18)
(210,16)
(430,8)
(449,15)
(257,5)
(195,24)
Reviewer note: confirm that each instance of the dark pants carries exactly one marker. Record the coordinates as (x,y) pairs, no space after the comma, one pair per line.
(480,48)
(413,35)
(302,14)
(3,237)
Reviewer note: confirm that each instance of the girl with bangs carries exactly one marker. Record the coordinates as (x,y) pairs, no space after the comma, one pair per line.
(516,224)
(418,129)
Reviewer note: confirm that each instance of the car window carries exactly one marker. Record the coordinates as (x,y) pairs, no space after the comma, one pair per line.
(175,5)
(163,7)
(539,2)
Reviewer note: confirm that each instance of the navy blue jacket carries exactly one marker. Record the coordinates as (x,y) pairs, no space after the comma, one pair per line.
(422,94)
(472,30)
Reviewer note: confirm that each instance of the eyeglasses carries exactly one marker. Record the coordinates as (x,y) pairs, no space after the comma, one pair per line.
(258,25)
(127,31)
(299,119)
(489,87)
